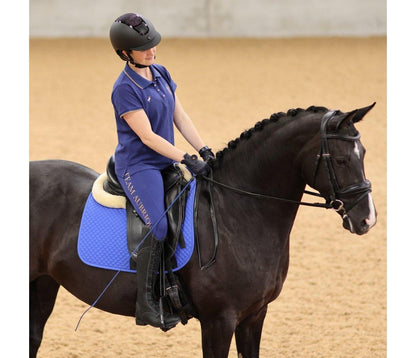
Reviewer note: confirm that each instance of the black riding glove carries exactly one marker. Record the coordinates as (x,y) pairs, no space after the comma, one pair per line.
(198,167)
(206,153)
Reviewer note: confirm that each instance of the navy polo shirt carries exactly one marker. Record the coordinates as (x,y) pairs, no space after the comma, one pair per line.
(133,92)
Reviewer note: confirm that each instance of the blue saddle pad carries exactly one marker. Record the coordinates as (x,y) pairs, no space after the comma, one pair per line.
(102,238)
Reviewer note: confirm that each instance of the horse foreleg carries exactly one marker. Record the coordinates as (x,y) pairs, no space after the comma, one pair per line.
(43,293)
(216,337)
(248,334)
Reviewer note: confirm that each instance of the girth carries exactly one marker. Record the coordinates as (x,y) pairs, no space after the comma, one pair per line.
(174,181)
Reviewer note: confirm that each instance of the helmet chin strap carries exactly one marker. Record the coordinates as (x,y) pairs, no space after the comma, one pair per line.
(135,64)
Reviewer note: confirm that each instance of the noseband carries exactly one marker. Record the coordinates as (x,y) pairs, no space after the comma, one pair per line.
(336,193)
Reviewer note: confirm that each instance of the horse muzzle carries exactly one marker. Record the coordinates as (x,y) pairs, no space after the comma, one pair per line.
(353,220)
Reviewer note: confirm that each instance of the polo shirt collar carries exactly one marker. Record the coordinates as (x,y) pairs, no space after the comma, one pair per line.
(141,81)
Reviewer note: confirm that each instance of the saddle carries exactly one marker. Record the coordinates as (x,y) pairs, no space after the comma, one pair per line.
(175,178)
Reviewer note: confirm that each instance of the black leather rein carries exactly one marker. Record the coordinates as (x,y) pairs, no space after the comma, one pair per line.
(334,200)
(326,205)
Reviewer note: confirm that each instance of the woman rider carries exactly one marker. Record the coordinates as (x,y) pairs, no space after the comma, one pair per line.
(146,109)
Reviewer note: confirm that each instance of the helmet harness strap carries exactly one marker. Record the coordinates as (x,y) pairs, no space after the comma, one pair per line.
(131,60)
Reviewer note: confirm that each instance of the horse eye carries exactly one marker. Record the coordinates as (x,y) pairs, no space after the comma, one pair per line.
(340,160)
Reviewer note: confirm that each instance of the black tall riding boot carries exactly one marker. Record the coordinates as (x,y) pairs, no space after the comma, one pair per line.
(148,311)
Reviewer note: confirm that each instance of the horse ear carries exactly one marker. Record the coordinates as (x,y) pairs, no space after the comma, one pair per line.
(355,115)
(360,113)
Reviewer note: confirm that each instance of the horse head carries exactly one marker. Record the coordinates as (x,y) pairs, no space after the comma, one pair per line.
(333,164)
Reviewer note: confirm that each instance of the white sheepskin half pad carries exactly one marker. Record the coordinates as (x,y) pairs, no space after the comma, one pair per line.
(104,198)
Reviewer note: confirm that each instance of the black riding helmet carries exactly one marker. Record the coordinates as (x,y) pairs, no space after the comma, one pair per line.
(133,32)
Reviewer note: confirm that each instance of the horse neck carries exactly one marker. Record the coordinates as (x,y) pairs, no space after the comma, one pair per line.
(266,162)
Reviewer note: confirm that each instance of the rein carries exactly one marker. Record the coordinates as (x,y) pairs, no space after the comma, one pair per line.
(212,181)
(213,215)
(336,192)
(326,205)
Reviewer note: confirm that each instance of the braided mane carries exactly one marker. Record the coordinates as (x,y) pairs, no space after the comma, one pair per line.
(259,126)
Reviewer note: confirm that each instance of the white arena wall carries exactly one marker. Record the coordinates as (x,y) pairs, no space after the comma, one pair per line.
(213,18)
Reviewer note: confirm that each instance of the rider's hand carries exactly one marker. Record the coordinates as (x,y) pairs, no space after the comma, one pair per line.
(206,153)
(198,167)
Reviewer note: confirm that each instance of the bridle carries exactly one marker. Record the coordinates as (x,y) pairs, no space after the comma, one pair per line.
(336,193)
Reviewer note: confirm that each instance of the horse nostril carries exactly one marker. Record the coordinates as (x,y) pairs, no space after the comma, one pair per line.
(370,222)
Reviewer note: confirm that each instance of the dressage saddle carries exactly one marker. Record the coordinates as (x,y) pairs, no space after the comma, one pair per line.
(174,181)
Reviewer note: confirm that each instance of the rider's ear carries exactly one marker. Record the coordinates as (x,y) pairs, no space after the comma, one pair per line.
(123,54)
(354,116)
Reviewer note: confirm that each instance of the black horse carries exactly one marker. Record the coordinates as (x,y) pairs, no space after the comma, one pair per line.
(257,184)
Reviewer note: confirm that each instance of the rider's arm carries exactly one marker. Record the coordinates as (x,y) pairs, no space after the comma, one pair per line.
(140,124)
(185,125)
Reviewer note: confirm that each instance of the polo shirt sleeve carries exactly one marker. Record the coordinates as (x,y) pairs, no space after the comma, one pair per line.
(125,100)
